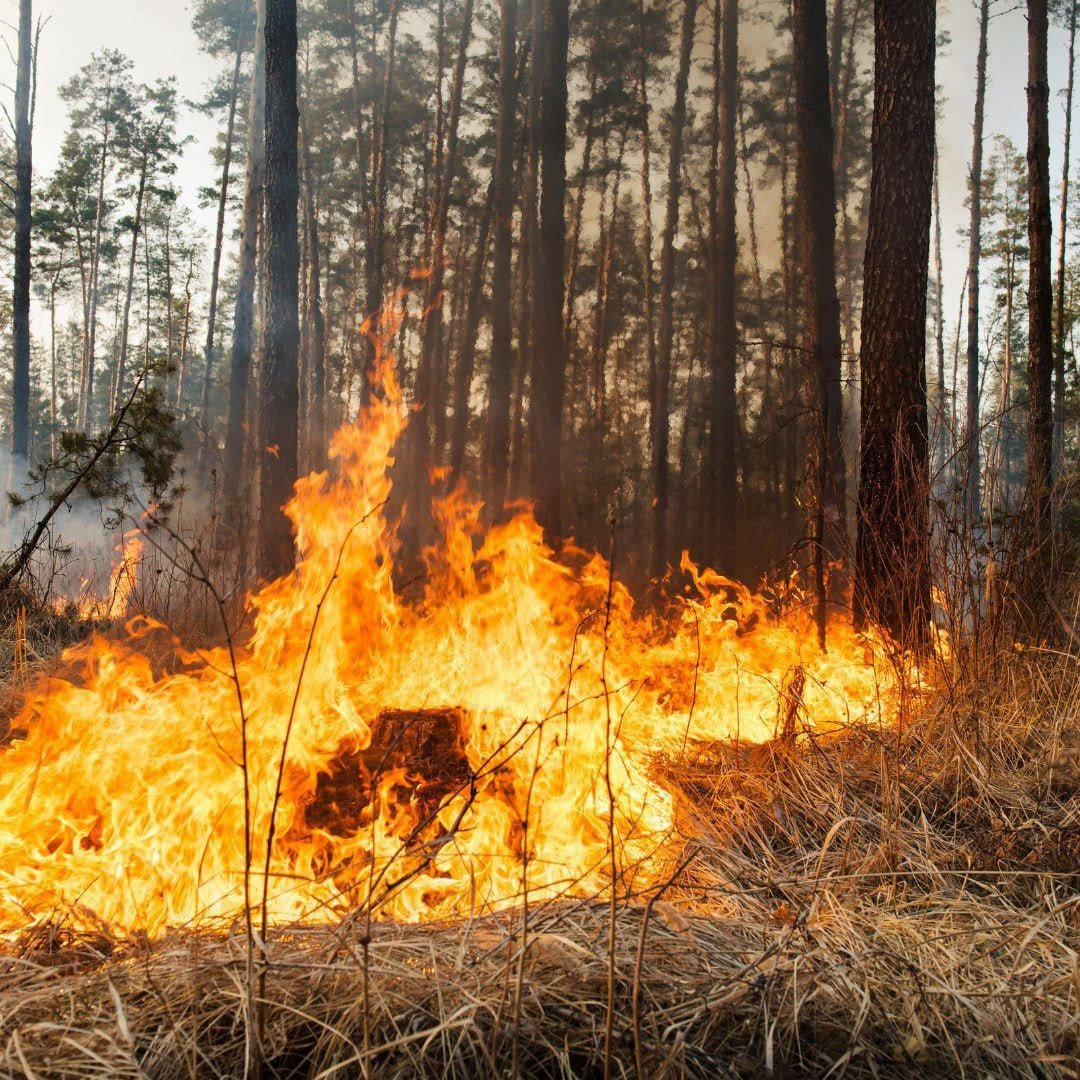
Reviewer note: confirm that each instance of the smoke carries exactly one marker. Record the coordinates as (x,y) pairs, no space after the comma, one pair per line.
(78,550)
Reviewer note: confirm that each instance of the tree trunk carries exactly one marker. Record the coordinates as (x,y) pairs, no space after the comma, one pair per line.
(892,585)
(86,407)
(244,310)
(971,426)
(648,299)
(1040,294)
(463,373)
(660,398)
(942,409)
(549,345)
(579,212)
(497,452)
(125,321)
(432,318)
(529,260)
(376,224)
(817,213)
(1063,230)
(362,186)
(54,288)
(601,334)
(24,181)
(315,388)
(219,241)
(720,502)
(279,395)
(185,330)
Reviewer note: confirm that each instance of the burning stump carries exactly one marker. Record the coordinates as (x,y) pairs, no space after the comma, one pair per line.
(425,747)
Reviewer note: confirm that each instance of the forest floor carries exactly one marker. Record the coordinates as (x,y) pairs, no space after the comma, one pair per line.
(880,903)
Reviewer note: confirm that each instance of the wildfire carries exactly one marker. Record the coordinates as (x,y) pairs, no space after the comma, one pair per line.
(431,757)
(116,602)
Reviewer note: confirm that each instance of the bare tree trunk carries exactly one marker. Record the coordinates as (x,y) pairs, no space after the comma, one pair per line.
(601,335)
(720,502)
(244,311)
(971,427)
(529,260)
(817,206)
(579,213)
(219,241)
(942,409)
(376,230)
(24,182)
(185,332)
(892,585)
(86,406)
(362,183)
(648,300)
(432,317)
(463,373)
(279,392)
(314,387)
(549,360)
(1063,232)
(497,450)
(53,394)
(136,232)
(1040,292)
(438,141)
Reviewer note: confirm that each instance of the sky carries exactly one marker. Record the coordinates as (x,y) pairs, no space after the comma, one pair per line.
(157,35)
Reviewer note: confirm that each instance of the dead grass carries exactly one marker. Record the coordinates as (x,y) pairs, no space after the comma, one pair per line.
(879,903)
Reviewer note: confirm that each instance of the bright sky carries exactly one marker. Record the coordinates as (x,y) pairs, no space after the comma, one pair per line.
(157,35)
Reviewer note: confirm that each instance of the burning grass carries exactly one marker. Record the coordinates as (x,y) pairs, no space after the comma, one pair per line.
(508,822)
(885,900)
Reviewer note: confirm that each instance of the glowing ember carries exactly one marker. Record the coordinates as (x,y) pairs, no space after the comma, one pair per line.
(442,756)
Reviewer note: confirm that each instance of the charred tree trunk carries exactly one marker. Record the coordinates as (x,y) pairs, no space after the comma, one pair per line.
(817,214)
(219,241)
(278,397)
(892,585)
(244,312)
(973,500)
(497,435)
(24,180)
(549,345)
(1040,369)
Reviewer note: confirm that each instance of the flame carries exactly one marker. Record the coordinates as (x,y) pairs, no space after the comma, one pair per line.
(432,751)
(123,577)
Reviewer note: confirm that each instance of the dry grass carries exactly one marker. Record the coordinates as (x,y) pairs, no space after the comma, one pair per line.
(880,903)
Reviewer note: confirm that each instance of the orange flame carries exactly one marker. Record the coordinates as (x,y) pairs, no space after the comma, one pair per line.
(117,600)
(443,755)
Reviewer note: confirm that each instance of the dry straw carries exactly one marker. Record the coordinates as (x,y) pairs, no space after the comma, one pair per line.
(878,903)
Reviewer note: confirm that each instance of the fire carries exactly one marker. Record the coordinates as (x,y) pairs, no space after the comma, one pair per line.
(116,602)
(426,756)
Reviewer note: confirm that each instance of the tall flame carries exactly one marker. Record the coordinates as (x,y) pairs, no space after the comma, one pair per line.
(428,757)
